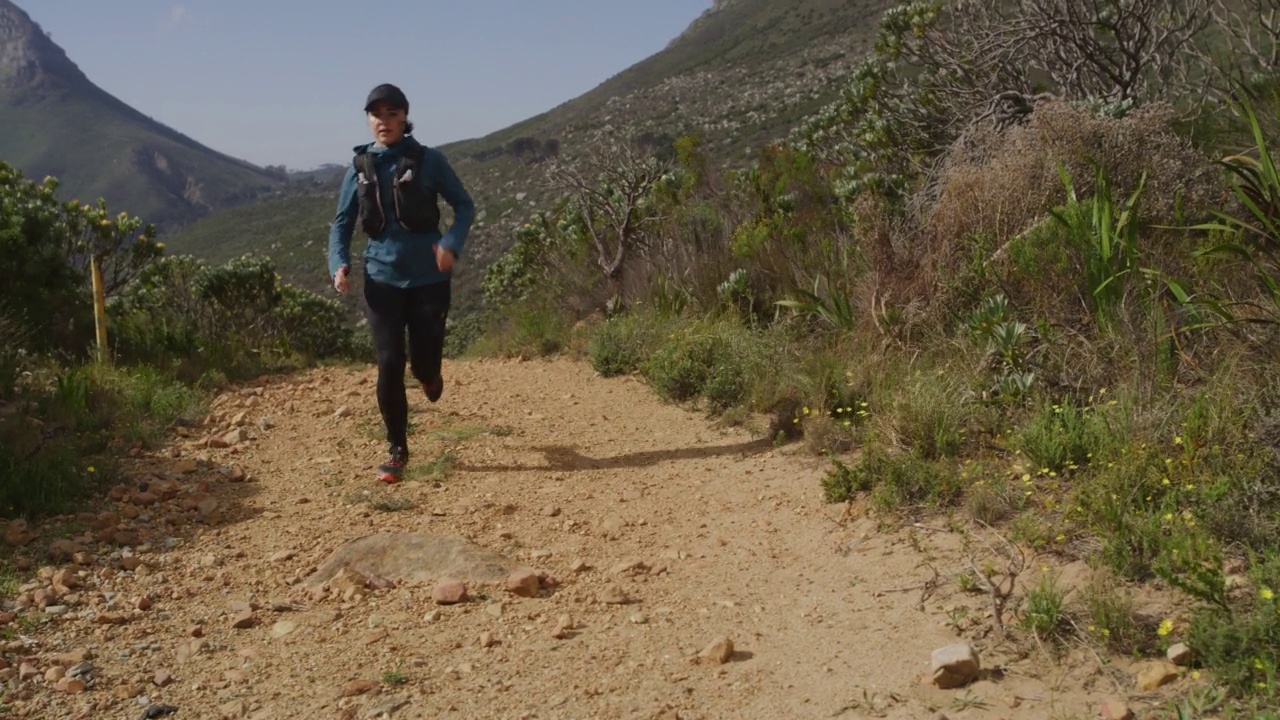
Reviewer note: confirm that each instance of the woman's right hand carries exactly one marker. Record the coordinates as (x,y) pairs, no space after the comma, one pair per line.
(340,282)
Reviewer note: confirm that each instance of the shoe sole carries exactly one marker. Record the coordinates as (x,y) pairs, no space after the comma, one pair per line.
(389,478)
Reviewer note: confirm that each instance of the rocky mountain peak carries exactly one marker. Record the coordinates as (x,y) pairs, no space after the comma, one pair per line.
(28,57)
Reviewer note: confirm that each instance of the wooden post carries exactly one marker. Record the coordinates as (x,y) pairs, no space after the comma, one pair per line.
(99,309)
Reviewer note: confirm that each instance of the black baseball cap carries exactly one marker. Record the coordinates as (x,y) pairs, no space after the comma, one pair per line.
(388,92)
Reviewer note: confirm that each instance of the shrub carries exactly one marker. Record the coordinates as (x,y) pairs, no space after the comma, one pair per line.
(712,361)
(621,345)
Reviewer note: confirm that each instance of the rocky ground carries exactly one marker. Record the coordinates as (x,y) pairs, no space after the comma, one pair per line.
(566,547)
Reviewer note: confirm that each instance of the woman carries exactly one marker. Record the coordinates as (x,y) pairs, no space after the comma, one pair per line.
(391,191)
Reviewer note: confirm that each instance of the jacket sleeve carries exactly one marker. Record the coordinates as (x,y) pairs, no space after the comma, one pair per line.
(464,210)
(344,224)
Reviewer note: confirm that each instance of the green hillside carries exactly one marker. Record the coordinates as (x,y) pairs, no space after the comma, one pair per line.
(742,74)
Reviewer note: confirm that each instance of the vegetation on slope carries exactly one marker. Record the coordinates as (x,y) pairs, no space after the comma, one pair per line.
(992,281)
(741,76)
(177,326)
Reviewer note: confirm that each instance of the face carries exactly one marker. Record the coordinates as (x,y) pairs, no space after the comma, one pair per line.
(386,123)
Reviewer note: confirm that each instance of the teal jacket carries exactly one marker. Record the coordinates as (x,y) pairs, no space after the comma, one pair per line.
(397,256)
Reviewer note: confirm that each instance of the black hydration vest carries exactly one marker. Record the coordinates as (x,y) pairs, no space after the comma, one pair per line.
(416,206)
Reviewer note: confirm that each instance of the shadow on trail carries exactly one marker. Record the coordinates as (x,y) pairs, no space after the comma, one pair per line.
(568,459)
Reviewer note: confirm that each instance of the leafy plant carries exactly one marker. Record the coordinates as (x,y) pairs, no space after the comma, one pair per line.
(1255,236)
(836,309)
(1111,254)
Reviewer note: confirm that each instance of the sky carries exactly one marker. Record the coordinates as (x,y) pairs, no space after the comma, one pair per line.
(284,81)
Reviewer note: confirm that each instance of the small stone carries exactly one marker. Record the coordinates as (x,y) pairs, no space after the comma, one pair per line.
(431,617)
(190,649)
(628,566)
(184,467)
(357,687)
(233,710)
(551,511)
(373,637)
(449,591)
(243,620)
(143,603)
(54,674)
(342,412)
(283,628)
(955,665)
(639,619)
(717,652)
(486,640)
(523,583)
(1154,674)
(579,566)
(387,707)
(162,679)
(195,631)
(614,595)
(75,657)
(284,556)
(26,671)
(1115,710)
(1179,654)
(71,686)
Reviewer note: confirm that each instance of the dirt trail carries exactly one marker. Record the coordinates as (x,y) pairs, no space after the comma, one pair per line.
(708,532)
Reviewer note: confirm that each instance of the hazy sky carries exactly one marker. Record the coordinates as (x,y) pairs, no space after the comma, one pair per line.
(284,81)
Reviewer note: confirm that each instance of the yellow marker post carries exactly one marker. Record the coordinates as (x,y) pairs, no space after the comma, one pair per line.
(99,309)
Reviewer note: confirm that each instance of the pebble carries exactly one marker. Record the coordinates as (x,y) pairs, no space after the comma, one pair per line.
(717,652)
(449,592)
(955,665)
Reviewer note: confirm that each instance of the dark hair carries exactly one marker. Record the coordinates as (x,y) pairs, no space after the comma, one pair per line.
(408,128)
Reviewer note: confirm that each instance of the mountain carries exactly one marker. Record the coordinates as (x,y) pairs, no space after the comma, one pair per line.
(57,122)
(742,74)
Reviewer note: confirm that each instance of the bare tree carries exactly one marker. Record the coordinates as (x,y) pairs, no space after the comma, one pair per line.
(986,56)
(1249,35)
(1117,50)
(611,189)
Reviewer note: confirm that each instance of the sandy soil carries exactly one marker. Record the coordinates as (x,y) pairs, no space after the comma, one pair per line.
(656,533)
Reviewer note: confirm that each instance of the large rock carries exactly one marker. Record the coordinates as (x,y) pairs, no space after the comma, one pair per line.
(414,558)
(955,665)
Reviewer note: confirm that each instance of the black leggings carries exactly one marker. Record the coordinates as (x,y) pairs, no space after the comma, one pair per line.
(422,311)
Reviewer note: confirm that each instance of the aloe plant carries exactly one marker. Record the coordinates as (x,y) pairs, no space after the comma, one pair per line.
(1255,236)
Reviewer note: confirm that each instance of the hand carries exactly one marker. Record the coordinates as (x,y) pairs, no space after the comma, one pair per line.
(340,282)
(444,258)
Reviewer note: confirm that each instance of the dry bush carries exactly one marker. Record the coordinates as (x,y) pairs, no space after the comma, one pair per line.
(998,184)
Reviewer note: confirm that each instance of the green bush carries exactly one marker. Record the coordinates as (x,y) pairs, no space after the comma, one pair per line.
(237,318)
(621,345)
(709,361)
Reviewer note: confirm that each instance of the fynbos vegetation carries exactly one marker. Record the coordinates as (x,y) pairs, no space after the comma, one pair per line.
(176,327)
(1024,269)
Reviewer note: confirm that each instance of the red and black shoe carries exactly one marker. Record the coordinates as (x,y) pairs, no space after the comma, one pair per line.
(392,470)
(434,389)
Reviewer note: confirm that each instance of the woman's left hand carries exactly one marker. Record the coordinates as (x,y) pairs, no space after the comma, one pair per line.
(444,259)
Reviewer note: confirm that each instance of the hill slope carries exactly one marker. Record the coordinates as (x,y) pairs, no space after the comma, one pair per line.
(57,122)
(740,75)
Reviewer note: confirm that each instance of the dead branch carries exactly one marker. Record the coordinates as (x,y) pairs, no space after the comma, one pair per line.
(611,187)
(1015,562)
